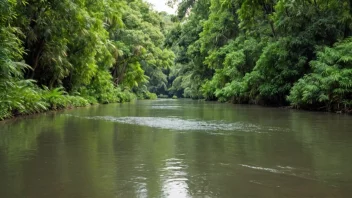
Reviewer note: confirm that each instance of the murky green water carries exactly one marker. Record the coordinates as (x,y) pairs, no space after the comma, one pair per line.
(176,148)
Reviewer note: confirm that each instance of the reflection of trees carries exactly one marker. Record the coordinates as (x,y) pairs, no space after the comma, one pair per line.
(326,137)
(19,144)
(62,156)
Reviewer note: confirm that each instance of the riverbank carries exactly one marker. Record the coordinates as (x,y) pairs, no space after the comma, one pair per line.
(337,110)
(44,100)
(64,102)
(57,101)
(341,111)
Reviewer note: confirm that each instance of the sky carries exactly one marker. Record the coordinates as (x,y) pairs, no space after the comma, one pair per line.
(160,5)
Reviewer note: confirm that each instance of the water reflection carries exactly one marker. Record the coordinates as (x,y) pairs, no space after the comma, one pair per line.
(136,150)
(174,179)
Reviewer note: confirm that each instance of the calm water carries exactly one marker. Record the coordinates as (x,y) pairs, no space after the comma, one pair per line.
(176,148)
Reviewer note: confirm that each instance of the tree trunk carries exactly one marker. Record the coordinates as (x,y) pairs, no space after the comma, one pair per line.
(36,57)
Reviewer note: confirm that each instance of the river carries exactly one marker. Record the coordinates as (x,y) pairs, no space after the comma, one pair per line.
(176,148)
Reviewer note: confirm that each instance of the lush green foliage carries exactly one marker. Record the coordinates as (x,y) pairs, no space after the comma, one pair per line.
(275,52)
(70,53)
(330,83)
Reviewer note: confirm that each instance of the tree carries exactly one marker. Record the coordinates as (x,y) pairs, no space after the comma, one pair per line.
(260,51)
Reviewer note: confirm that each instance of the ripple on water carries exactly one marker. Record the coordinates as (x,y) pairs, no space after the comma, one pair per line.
(174,123)
(174,178)
(272,170)
(166,107)
(284,170)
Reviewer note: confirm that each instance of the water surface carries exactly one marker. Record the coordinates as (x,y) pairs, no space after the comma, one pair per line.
(176,148)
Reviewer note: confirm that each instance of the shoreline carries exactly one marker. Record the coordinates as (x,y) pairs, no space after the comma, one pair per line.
(14,117)
(98,104)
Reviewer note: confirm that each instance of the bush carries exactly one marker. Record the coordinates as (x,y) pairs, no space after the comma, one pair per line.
(4,113)
(143,93)
(55,97)
(329,86)
(76,101)
(92,100)
(151,96)
(163,96)
(20,97)
(125,96)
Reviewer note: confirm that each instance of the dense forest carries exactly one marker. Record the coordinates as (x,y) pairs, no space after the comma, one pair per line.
(68,53)
(269,52)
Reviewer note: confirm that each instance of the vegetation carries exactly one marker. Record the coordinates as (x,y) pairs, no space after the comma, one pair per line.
(69,53)
(272,52)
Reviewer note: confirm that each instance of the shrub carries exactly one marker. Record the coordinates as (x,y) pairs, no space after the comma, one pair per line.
(77,101)
(163,96)
(92,100)
(20,97)
(151,96)
(55,97)
(329,86)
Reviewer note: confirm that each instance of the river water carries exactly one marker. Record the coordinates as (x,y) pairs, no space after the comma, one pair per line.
(176,148)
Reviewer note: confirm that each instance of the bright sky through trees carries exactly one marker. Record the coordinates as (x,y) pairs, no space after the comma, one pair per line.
(160,5)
